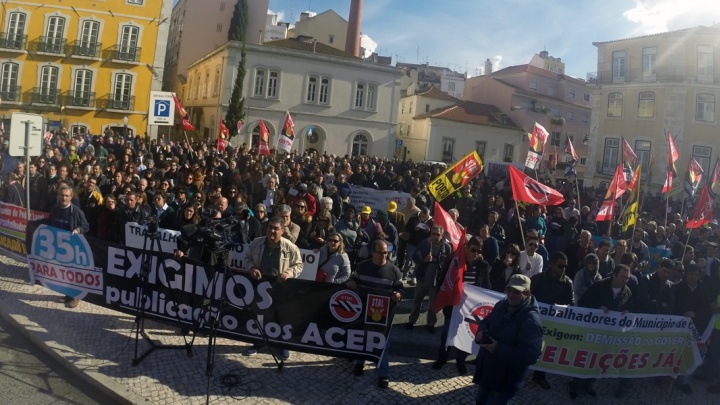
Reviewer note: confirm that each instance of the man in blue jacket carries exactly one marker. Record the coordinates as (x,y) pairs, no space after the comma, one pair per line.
(510,340)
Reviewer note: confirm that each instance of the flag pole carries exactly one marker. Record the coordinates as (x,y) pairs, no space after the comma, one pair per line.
(517,214)
(577,189)
(686,243)
(667,207)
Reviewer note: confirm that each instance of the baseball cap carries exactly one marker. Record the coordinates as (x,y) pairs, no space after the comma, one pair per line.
(381,215)
(392,206)
(366,210)
(519,282)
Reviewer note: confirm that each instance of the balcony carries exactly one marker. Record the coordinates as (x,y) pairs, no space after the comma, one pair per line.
(84,49)
(10,94)
(49,45)
(662,74)
(12,41)
(122,53)
(41,95)
(75,98)
(117,102)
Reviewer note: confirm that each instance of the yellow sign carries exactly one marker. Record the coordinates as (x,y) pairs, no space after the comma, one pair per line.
(456,176)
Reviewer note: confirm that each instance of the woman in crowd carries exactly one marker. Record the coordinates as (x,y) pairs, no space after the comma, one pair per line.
(333,262)
(504,267)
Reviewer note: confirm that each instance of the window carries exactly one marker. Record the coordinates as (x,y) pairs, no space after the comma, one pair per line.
(331,39)
(480,148)
(586,97)
(448,146)
(571,94)
(411,105)
(642,150)
(705,62)
(555,138)
(646,104)
(366,96)
(318,90)
(207,85)
(705,108)
(273,82)
(54,41)
(649,63)
(48,90)
(9,90)
(128,49)
(402,108)
(451,86)
(703,154)
(555,112)
(88,42)
(218,28)
(551,90)
(618,66)
(584,118)
(359,145)
(401,129)
(216,89)
(615,101)
(533,86)
(583,161)
(81,94)
(427,108)
(260,83)
(15,32)
(79,130)
(137,2)
(508,153)
(122,92)
(222,6)
(610,155)
(409,130)
(570,115)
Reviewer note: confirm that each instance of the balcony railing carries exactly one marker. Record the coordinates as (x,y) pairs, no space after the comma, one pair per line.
(9,40)
(661,74)
(123,53)
(117,102)
(10,94)
(50,45)
(75,98)
(41,95)
(84,48)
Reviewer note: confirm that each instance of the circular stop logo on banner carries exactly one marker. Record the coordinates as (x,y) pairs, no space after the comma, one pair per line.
(346,306)
(476,315)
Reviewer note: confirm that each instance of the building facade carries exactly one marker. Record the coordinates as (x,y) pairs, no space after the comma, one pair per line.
(327,28)
(528,94)
(425,76)
(198,27)
(339,104)
(648,86)
(432,125)
(86,68)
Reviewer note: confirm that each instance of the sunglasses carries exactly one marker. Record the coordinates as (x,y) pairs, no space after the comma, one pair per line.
(562,266)
(301,206)
(436,234)
(476,250)
(333,241)
(532,244)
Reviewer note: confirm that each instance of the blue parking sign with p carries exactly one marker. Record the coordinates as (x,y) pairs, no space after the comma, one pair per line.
(162,108)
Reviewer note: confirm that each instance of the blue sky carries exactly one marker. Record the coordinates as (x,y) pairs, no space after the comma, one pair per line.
(462,34)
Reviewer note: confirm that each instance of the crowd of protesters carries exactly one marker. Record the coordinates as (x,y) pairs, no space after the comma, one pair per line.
(118,180)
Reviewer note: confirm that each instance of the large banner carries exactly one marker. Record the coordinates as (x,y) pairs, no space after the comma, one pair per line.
(12,229)
(587,343)
(307,316)
(376,199)
(167,239)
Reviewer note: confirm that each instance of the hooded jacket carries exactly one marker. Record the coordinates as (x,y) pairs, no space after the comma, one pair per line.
(519,344)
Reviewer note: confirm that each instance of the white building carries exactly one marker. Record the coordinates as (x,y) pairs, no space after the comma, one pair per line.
(339,104)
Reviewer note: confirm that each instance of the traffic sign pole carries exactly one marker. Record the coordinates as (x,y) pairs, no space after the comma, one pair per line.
(27,168)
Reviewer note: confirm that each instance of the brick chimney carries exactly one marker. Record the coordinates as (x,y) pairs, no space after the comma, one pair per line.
(352,43)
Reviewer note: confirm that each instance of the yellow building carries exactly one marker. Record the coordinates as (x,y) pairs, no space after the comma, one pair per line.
(85,65)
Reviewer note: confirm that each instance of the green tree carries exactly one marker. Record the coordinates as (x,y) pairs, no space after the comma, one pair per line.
(238,32)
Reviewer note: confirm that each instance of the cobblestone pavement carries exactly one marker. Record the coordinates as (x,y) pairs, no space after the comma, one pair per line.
(97,344)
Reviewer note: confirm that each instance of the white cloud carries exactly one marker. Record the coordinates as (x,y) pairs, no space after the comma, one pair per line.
(655,16)
(310,13)
(280,14)
(368,44)
(497,62)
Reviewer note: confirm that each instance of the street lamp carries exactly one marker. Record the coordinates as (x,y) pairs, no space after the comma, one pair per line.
(125,123)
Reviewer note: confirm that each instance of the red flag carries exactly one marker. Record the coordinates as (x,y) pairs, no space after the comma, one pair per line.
(673,156)
(703,211)
(618,184)
(528,190)
(288,127)
(442,218)
(616,189)
(186,124)
(629,155)
(714,189)
(538,138)
(263,148)
(451,289)
(634,179)
(570,150)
